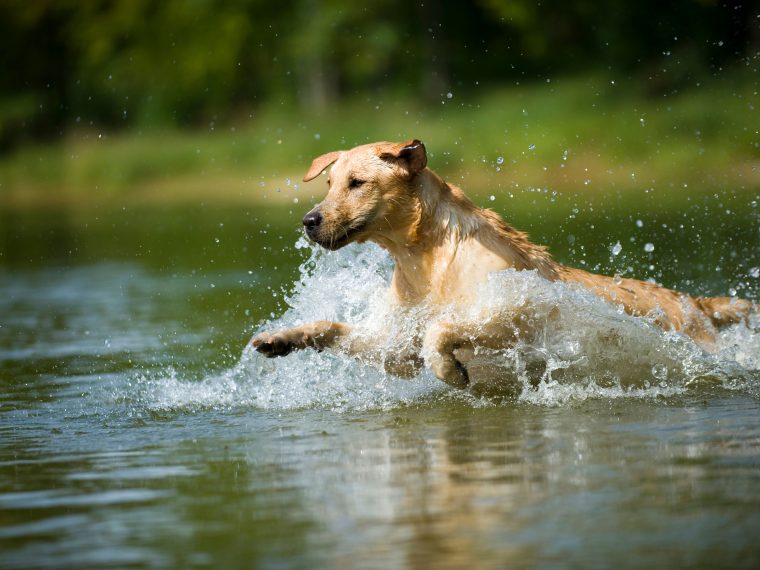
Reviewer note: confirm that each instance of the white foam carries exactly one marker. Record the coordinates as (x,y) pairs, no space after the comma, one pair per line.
(587,348)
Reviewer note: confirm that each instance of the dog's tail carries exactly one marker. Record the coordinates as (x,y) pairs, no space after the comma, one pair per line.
(725,311)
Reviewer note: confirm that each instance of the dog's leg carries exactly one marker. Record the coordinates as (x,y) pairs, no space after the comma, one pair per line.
(445,343)
(317,335)
(441,340)
(320,335)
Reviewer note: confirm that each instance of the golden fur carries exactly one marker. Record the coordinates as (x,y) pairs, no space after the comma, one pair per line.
(443,245)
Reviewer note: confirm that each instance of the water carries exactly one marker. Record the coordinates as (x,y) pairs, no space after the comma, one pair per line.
(137,431)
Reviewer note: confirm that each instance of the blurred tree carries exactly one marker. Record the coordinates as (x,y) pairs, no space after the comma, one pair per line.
(626,35)
(35,58)
(122,62)
(175,59)
(342,45)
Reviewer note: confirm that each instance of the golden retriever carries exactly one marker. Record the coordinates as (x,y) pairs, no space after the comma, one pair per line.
(443,246)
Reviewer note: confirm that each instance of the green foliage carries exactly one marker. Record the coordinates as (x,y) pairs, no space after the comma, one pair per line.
(190,62)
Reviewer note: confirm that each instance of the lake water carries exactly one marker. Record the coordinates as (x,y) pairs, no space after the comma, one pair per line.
(137,431)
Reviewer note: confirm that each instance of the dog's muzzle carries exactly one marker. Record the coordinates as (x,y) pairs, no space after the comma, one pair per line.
(311,223)
(324,234)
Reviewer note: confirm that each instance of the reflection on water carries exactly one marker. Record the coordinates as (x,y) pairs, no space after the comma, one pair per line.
(446,485)
(132,435)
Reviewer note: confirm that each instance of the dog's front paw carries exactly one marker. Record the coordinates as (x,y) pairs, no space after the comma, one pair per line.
(450,370)
(273,344)
(441,341)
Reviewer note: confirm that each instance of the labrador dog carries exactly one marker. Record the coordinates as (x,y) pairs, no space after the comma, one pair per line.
(443,246)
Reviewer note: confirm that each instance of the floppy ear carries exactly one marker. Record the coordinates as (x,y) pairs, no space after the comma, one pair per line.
(411,155)
(320,163)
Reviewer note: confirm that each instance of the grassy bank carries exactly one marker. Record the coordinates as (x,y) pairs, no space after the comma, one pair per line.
(588,135)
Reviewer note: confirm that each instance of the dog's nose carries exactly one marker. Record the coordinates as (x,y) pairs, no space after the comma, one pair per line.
(312,220)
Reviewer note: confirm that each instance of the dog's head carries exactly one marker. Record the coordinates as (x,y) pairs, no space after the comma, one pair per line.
(370,187)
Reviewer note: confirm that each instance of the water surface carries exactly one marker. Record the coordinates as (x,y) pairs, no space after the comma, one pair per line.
(136,431)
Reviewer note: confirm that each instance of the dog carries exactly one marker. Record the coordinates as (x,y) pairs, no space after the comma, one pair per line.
(443,246)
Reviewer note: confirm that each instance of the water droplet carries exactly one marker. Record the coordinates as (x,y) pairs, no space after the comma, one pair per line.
(617,279)
(754,272)
(732,292)
(492,198)
(649,247)
(449,95)
(531,147)
(499,160)
(660,371)
(317,136)
(639,224)
(616,249)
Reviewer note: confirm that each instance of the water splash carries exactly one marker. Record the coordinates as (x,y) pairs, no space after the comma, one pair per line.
(586,348)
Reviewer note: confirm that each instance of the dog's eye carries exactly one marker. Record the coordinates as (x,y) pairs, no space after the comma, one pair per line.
(355,183)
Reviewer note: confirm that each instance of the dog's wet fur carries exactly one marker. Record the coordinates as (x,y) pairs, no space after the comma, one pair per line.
(443,246)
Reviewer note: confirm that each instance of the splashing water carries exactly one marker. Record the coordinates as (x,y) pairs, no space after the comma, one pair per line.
(586,348)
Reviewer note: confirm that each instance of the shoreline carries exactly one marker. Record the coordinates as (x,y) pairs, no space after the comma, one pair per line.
(589,177)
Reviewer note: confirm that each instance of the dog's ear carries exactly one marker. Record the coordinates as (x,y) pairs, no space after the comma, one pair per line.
(320,163)
(411,155)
